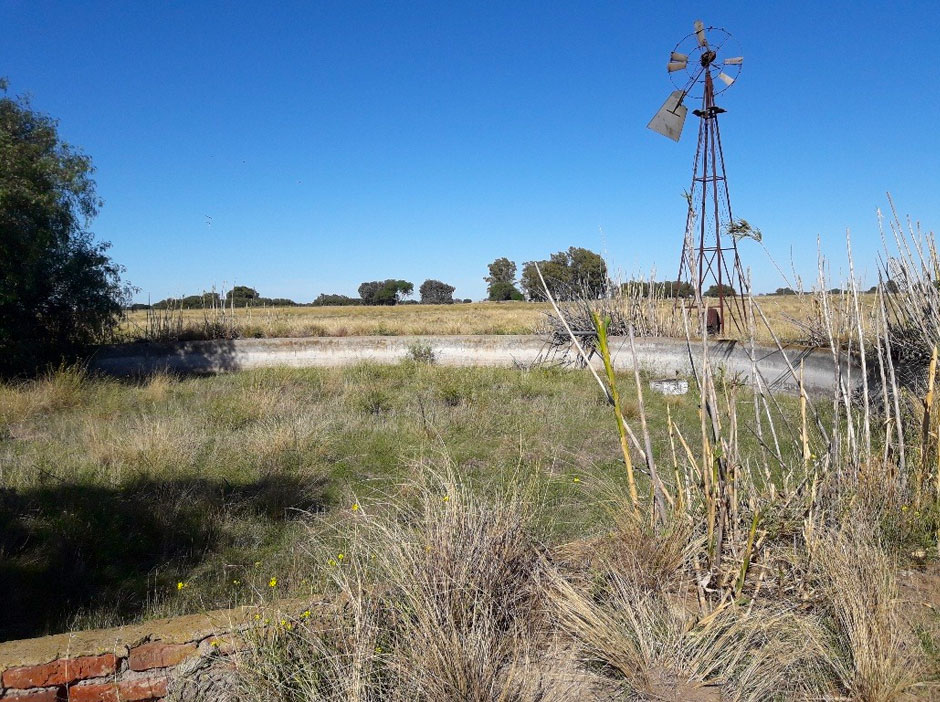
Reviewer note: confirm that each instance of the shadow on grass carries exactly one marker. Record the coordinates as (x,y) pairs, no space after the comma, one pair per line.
(66,548)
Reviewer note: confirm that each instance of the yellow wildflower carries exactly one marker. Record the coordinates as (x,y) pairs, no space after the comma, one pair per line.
(355,507)
(306,614)
(340,556)
(272,582)
(181,585)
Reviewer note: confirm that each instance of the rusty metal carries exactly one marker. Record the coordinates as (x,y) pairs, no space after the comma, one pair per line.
(709,252)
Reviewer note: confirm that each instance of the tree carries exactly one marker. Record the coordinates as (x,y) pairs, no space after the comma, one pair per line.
(588,272)
(502,270)
(785,291)
(676,288)
(500,292)
(722,290)
(241,295)
(667,289)
(325,300)
(569,275)
(385,292)
(59,291)
(434,292)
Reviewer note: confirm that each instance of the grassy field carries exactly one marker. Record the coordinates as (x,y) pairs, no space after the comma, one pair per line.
(792,318)
(481,533)
(478,525)
(470,318)
(113,492)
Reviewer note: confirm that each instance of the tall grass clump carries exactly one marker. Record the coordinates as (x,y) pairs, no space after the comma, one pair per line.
(440,601)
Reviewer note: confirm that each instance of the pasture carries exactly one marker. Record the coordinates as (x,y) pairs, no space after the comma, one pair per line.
(792,318)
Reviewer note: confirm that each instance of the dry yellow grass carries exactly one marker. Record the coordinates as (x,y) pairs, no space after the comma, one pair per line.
(399,320)
(792,318)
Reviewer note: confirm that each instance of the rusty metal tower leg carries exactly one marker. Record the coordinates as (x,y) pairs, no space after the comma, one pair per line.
(709,262)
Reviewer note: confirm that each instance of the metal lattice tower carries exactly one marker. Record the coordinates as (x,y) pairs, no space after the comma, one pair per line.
(710,250)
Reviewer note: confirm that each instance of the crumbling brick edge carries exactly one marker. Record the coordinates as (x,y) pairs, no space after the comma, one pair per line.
(133,663)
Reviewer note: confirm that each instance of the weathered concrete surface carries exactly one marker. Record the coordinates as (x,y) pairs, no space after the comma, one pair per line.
(661,357)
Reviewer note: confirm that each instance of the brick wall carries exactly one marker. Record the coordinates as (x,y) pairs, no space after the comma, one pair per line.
(130,663)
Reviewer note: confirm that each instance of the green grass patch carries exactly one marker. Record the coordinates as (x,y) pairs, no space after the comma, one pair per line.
(122,500)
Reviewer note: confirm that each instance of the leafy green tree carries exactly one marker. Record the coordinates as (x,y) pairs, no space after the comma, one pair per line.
(385,292)
(325,300)
(241,295)
(676,288)
(720,290)
(434,292)
(667,289)
(59,291)
(569,275)
(500,292)
(588,272)
(502,270)
(785,291)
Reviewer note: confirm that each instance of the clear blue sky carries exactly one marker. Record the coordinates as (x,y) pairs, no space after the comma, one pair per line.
(342,141)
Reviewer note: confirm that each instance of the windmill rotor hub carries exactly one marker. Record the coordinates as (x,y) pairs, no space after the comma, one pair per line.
(707,58)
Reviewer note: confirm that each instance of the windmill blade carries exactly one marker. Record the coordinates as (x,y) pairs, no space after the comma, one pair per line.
(671,117)
(676,56)
(700,33)
(725,78)
(673,66)
(736,61)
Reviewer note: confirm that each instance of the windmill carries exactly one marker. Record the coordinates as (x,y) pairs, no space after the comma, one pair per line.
(702,65)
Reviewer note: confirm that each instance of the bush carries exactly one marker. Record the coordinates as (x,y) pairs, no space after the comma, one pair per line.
(420,352)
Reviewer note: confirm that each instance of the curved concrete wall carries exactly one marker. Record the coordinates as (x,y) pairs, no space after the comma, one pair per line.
(664,357)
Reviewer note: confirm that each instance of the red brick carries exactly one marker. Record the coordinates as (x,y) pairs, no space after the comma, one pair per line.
(60,672)
(49,694)
(95,692)
(137,690)
(142,689)
(158,655)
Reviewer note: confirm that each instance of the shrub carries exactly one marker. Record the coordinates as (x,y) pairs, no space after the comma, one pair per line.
(420,352)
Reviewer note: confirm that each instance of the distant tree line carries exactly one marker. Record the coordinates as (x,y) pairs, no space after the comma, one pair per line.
(238,296)
(667,288)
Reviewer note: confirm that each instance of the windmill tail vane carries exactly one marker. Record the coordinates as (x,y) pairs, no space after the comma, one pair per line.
(702,65)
